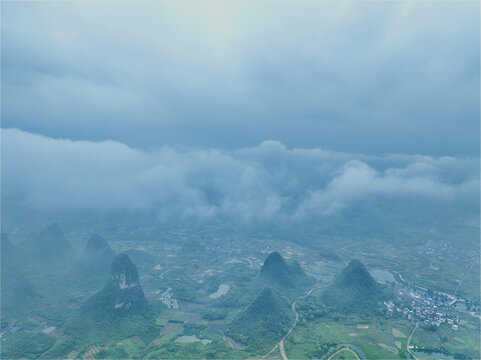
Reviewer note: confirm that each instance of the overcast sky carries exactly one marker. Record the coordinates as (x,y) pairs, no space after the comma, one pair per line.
(255,110)
(366,77)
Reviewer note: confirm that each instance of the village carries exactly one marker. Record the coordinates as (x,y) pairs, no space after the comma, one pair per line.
(427,307)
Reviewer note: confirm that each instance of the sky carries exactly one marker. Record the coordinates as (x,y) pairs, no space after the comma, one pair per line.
(267,109)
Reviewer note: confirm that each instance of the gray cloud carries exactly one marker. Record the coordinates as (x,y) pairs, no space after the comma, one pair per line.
(268,182)
(396,77)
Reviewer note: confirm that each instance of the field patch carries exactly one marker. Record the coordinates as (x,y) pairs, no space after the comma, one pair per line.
(388,348)
(397,333)
(187,339)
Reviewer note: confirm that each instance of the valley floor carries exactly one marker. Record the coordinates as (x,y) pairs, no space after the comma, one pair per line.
(198,289)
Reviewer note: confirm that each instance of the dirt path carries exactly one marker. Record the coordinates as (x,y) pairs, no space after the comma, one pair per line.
(343,349)
(409,340)
(275,347)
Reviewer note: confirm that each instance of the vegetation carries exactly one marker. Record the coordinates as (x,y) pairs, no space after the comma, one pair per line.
(88,324)
(30,345)
(288,278)
(263,323)
(354,291)
(97,330)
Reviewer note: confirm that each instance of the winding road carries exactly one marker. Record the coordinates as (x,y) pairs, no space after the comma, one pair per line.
(343,349)
(280,344)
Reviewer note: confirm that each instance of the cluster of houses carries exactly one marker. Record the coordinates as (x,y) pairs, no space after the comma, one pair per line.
(419,306)
(167,299)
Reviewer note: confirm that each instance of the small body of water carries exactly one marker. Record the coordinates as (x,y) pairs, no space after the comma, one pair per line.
(187,339)
(221,291)
(382,275)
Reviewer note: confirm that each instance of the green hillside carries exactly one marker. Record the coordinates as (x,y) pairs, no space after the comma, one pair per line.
(354,290)
(286,277)
(264,322)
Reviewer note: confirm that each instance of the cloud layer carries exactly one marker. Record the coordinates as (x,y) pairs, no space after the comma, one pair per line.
(268,182)
(358,77)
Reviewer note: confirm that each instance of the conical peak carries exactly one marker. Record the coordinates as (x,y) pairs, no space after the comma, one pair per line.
(53,230)
(274,261)
(97,243)
(356,273)
(274,257)
(356,264)
(124,273)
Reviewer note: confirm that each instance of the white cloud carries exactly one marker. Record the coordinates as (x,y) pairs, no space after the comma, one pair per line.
(267,182)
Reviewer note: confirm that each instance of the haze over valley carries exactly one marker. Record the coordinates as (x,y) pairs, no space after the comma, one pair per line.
(240,180)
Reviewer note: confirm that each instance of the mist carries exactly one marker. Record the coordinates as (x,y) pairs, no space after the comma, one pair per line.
(268,182)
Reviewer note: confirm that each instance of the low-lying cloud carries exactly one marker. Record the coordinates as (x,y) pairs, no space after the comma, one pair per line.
(263,183)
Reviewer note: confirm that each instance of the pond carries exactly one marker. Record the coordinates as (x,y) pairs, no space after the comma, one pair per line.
(221,291)
(382,275)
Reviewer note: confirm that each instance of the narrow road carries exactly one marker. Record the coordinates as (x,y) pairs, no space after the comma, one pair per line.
(464,277)
(409,340)
(283,352)
(280,344)
(344,349)
(275,347)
